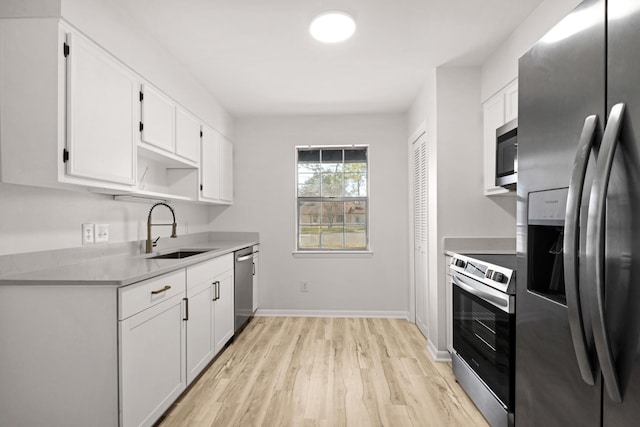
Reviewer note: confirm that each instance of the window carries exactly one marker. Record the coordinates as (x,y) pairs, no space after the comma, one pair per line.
(332,198)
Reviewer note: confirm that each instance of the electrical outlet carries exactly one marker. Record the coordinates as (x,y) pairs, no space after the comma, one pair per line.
(87,234)
(304,286)
(102,233)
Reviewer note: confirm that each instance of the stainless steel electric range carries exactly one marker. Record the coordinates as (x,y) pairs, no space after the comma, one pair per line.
(484,332)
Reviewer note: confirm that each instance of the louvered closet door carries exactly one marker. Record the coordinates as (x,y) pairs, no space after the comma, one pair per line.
(420,230)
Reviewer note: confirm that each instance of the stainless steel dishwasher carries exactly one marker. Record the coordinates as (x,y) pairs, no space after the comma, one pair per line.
(243,284)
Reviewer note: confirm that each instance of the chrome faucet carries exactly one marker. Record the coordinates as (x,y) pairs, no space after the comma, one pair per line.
(150,243)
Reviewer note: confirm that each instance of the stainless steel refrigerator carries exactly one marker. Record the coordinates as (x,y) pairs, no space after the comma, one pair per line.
(578,225)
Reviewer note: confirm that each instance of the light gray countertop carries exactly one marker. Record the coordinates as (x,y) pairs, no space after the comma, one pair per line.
(122,269)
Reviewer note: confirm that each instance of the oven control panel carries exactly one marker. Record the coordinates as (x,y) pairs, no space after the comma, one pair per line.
(497,276)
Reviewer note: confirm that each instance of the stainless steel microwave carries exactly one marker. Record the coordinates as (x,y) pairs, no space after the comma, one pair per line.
(507,155)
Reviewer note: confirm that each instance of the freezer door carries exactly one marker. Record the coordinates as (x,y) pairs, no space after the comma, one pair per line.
(622,230)
(561,83)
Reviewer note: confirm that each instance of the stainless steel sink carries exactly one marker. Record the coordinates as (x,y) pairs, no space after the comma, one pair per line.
(181,254)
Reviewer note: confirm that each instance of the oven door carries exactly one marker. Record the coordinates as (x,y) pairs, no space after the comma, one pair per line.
(483,334)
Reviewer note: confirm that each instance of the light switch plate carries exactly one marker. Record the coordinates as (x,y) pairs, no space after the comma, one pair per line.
(87,234)
(102,233)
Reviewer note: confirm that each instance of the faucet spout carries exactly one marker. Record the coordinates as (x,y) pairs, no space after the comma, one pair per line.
(150,243)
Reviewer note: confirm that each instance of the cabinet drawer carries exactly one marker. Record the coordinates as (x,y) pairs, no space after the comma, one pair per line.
(140,296)
(205,271)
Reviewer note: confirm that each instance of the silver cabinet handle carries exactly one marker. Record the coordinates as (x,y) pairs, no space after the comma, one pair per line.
(244,258)
(216,290)
(595,250)
(571,247)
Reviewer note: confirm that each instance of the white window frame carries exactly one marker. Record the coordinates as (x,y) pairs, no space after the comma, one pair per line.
(328,252)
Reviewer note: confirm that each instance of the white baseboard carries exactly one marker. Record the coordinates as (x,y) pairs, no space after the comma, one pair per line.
(333,313)
(438,355)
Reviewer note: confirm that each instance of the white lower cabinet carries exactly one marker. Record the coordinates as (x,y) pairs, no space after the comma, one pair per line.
(152,364)
(152,347)
(58,356)
(223,305)
(200,348)
(92,355)
(256,277)
(211,315)
(171,327)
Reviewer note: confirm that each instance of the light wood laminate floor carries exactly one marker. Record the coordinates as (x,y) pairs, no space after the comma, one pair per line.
(326,372)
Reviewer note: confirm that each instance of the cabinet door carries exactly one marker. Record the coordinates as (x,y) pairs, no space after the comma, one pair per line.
(101,114)
(152,362)
(224,310)
(511,102)
(256,278)
(187,135)
(226,170)
(158,119)
(210,173)
(216,167)
(200,343)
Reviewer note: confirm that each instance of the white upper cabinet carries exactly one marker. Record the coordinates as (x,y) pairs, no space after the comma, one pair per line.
(158,114)
(67,112)
(100,114)
(73,116)
(226,170)
(167,126)
(497,110)
(188,132)
(209,170)
(511,101)
(216,168)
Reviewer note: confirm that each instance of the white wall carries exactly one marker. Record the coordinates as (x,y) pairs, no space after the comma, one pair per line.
(31,8)
(265,202)
(424,101)
(33,219)
(502,66)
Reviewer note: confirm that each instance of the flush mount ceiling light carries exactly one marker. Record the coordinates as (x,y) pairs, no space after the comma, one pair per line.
(332,27)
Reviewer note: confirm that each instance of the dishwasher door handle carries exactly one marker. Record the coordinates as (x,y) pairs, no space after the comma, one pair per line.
(244,258)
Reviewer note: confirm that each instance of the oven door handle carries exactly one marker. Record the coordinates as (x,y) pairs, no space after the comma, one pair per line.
(571,248)
(493,297)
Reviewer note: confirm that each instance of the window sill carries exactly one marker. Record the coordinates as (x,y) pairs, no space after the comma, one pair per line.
(333,254)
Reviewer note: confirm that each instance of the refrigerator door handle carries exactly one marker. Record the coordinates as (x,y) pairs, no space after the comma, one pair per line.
(571,247)
(595,251)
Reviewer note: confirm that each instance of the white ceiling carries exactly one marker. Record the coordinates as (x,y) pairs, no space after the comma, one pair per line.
(257,57)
